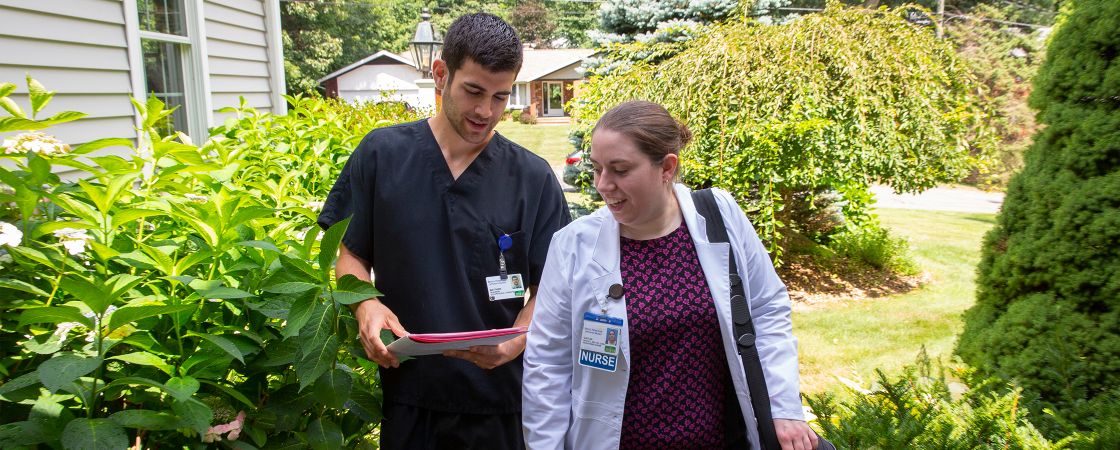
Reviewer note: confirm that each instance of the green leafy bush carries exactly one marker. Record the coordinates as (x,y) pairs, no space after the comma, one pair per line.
(182,294)
(924,408)
(833,101)
(874,246)
(1047,312)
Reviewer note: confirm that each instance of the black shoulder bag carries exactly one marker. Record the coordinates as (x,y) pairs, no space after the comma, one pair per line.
(743,327)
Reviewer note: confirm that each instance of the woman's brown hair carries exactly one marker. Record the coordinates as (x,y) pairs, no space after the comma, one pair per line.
(649,125)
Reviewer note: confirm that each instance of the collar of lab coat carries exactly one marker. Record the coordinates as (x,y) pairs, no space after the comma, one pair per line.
(607,243)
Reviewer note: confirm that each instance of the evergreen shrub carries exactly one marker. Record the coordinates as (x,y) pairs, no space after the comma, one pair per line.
(1046,312)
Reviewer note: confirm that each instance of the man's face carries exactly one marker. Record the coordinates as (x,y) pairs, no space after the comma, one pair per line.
(474,99)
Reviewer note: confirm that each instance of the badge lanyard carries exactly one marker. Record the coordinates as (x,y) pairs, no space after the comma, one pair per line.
(504,243)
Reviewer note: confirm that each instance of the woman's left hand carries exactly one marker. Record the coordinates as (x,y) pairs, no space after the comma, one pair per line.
(795,435)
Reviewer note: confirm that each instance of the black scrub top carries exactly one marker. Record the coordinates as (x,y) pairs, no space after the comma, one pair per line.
(432,241)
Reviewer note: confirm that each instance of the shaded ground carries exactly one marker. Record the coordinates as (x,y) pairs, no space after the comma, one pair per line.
(813,284)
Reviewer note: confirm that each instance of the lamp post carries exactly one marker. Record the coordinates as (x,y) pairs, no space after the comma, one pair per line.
(426,45)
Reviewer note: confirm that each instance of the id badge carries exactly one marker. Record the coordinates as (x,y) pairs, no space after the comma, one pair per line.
(598,347)
(505,288)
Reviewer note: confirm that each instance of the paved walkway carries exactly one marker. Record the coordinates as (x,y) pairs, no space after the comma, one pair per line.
(941,198)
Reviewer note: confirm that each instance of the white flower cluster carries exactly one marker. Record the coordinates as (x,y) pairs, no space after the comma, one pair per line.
(196,198)
(10,235)
(314,206)
(73,239)
(35,142)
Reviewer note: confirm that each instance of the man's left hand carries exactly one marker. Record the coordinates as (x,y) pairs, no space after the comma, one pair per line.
(795,435)
(491,356)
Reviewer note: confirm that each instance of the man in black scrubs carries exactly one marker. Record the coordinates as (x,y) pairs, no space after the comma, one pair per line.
(445,212)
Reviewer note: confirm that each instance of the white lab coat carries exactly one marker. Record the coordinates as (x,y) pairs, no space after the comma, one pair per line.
(566,405)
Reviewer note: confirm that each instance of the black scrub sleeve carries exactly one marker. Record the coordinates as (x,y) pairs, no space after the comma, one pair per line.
(552,215)
(352,196)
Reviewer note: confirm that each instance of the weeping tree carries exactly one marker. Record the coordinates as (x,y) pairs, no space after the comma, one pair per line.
(826,104)
(1047,311)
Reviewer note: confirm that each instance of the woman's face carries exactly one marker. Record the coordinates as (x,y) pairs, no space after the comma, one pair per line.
(634,188)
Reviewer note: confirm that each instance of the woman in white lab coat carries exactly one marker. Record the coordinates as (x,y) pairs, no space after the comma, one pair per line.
(631,344)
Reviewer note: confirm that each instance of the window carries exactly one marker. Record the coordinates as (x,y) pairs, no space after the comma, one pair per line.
(520,95)
(165,50)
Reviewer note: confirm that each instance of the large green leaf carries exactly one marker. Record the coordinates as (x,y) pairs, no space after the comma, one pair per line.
(60,371)
(182,388)
(263,245)
(92,294)
(9,124)
(278,354)
(145,419)
(206,365)
(193,414)
(124,216)
(363,404)
(47,343)
(222,343)
(120,283)
(231,392)
(323,434)
(99,144)
(54,314)
(21,434)
(290,287)
(63,117)
(20,285)
(222,292)
(321,325)
(32,255)
(6,89)
(136,381)
(16,112)
(314,363)
(301,311)
(38,94)
(333,388)
(328,247)
(352,289)
(50,416)
(129,314)
(145,359)
(19,383)
(93,434)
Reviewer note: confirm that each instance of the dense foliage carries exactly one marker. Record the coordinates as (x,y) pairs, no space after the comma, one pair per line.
(1004,60)
(181,293)
(1048,299)
(833,101)
(930,406)
(321,36)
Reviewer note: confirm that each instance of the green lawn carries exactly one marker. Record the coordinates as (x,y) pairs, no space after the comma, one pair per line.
(548,141)
(852,339)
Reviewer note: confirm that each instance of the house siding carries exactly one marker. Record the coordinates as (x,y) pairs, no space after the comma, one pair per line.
(78,49)
(237,54)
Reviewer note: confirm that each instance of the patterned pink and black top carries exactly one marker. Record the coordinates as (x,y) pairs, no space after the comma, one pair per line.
(679,381)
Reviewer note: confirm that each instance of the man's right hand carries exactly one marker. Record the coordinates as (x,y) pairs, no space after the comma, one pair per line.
(373,316)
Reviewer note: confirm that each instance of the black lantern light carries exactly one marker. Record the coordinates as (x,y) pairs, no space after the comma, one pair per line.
(426,45)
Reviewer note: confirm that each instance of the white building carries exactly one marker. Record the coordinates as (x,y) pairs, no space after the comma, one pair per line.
(548,79)
(200,55)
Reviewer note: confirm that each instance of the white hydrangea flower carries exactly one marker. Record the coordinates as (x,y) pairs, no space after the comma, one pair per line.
(10,235)
(35,142)
(73,239)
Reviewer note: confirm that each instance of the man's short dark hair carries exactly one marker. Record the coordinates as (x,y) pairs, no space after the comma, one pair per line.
(485,39)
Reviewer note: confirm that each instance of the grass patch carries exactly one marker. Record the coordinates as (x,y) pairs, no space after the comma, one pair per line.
(852,339)
(548,141)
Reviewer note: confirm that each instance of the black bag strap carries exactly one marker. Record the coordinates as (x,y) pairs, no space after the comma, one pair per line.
(705,202)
